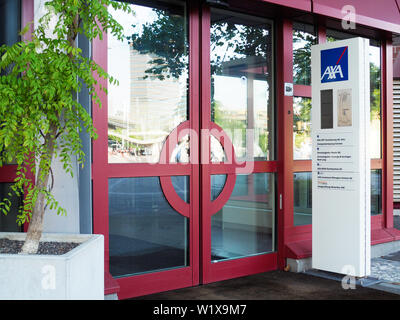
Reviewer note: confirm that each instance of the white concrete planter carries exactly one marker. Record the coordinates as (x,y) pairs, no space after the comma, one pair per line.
(76,275)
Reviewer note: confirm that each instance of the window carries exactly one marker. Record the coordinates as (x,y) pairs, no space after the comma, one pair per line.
(245,225)
(304,36)
(151,98)
(302,145)
(10,23)
(302,198)
(146,233)
(8,222)
(376,192)
(242,83)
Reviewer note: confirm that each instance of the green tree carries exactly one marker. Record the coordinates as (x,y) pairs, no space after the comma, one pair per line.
(375,91)
(301,121)
(302,57)
(41,119)
(166,38)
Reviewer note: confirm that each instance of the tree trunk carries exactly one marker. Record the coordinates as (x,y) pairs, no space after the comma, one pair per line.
(31,244)
(35,229)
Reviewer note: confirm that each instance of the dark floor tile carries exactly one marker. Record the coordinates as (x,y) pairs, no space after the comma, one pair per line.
(276,285)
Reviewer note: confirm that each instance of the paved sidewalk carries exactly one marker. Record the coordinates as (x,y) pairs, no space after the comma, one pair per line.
(387,267)
(275,285)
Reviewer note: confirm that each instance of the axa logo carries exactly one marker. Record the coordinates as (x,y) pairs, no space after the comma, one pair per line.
(334,64)
(332,71)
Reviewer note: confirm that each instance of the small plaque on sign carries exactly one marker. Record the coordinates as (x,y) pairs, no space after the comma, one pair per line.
(288,89)
(344,108)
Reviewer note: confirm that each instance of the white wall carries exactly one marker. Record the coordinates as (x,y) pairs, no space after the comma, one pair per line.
(65,188)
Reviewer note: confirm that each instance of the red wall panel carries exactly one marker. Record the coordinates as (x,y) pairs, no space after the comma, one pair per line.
(383,14)
(298,4)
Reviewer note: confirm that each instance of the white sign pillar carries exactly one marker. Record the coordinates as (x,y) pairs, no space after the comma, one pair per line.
(341,218)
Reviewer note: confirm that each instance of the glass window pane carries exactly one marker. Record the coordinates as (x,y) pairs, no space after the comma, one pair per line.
(181,153)
(146,233)
(151,65)
(217,152)
(375,90)
(304,36)
(181,186)
(10,26)
(302,144)
(8,223)
(217,184)
(10,21)
(245,225)
(302,198)
(242,82)
(375,100)
(376,192)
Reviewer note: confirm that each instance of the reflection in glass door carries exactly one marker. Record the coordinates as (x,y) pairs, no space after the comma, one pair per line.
(245,225)
(151,98)
(146,234)
(239,210)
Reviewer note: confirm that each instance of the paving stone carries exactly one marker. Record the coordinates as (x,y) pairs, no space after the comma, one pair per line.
(385,269)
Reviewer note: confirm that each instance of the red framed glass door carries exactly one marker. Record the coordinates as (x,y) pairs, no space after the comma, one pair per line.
(145,189)
(184,165)
(238,159)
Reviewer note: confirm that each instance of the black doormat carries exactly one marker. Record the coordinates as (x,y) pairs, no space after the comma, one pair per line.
(395,256)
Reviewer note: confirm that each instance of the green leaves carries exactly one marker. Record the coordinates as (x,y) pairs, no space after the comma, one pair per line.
(39,80)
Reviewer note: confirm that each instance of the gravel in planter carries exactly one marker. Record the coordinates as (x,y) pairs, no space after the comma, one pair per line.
(48,248)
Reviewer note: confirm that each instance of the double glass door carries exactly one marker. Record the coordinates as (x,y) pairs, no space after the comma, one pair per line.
(184,170)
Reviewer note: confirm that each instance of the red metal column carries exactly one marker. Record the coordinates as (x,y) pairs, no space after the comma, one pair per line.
(205,118)
(194,118)
(387,133)
(27,15)
(285,134)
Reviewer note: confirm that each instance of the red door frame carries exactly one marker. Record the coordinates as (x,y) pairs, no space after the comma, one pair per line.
(285,134)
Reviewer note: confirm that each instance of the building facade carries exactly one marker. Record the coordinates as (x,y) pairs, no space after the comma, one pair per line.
(202,167)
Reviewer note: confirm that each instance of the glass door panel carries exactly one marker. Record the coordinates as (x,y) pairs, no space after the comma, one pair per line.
(152,66)
(146,233)
(239,207)
(245,225)
(241,83)
(144,201)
